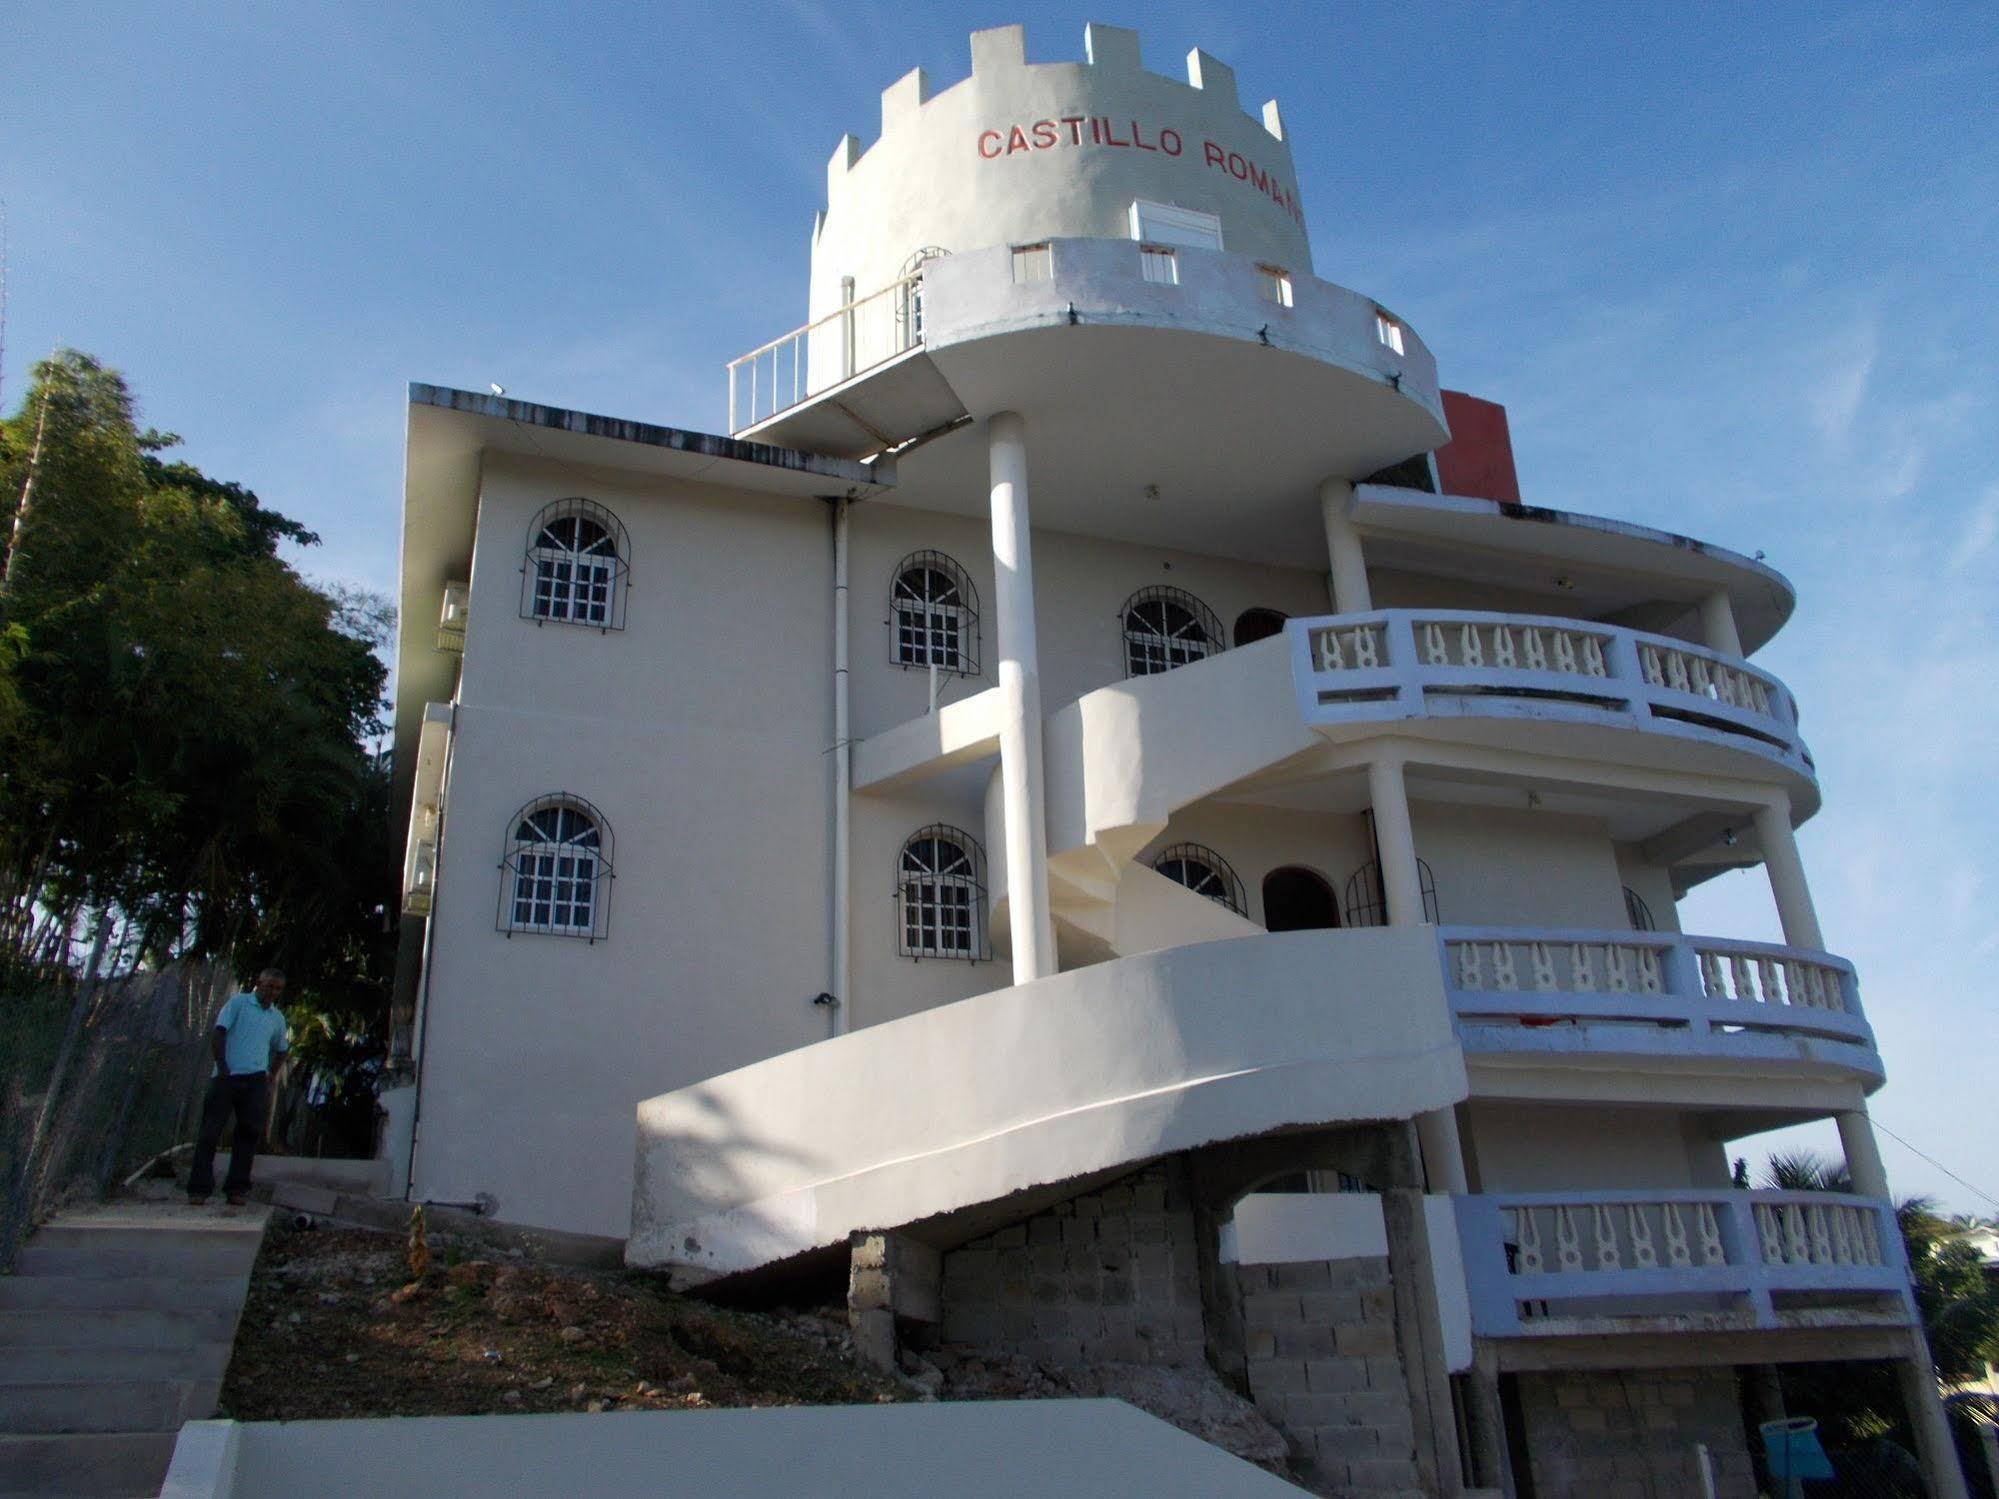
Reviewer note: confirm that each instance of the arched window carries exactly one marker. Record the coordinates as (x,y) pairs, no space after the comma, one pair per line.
(1637,912)
(935,615)
(1298,900)
(1165,628)
(1253,625)
(1202,871)
(941,885)
(578,557)
(1367,897)
(556,877)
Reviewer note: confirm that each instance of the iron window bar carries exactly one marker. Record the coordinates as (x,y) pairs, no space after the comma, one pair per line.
(934,615)
(577,566)
(1637,912)
(941,890)
(1367,896)
(555,877)
(1165,628)
(1204,872)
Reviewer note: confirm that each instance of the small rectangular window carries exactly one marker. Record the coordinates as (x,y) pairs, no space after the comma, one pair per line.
(1275,285)
(1163,224)
(1160,264)
(1032,263)
(1388,331)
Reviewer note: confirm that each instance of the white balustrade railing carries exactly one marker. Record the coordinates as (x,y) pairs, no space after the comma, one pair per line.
(844,343)
(1534,665)
(1707,990)
(1534,1259)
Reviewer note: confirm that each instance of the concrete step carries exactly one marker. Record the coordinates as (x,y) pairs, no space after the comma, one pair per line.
(222,1235)
(62,1364)
(228,1261)
(348,1178)
(105,1405)
(132,1329)
(124,1463)
(98,1293)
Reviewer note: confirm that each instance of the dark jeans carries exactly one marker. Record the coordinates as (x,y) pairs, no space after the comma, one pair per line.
(247,1096)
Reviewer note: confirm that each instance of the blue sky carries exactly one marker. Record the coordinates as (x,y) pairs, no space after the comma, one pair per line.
(1730,267)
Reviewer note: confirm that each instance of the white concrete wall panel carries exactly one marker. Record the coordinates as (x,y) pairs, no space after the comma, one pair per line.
(1017,153)
(537,1048)
(1501,868)
(1109,1065)
(1559,1148)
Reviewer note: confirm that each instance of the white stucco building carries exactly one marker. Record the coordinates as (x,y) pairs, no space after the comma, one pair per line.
(1100,737)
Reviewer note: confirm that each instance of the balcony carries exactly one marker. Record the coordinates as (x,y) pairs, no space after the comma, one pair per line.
(1635,995)
(1453,664)
(1548,1264)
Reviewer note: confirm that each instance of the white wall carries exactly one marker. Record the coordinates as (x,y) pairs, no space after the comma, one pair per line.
(1556,1147)
(1257,840)
(925,182)
(1496,867)
(700,733)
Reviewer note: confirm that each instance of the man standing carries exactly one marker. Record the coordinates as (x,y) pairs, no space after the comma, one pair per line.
(250,1041)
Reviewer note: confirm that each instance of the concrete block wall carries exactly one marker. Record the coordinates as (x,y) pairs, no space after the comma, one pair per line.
(1110,1276)
(1319,1336)
(1631,1434)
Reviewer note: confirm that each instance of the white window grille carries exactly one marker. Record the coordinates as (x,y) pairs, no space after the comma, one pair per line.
(578,560)
(1388,331)
(1164,224)
(1274,285)
(555,877)
(935,615)
(941,887)
(1165,628)
(1159,264)
(1033,263)
(1204,872)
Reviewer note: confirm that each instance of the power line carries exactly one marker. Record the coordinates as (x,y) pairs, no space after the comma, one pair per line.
(1979,1191)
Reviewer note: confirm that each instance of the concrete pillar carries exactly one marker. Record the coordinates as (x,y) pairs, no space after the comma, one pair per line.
(1020,702)
(1718,624)
(1396,841)
(1492,1464)
(1787,875)
(1349,567)
(1419,1338)
(1918,1379)
(890,1278)
(1863,1155)
(1443,1151)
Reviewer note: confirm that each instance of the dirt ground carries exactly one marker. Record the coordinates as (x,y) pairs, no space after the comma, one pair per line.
(336,1325)
(339,1324)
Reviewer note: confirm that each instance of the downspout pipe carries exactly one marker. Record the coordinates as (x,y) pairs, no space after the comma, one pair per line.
(843,781)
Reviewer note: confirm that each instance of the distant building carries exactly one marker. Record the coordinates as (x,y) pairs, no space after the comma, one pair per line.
(1098,815)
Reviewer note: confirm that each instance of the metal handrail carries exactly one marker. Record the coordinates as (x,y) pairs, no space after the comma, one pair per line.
(906,334)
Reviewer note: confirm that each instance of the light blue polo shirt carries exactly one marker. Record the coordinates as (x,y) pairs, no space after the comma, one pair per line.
(254,1033)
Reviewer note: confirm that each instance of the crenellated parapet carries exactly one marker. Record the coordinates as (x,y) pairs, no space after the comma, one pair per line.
(1018,152)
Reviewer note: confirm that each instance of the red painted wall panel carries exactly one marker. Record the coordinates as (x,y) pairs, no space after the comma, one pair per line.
(1478,460)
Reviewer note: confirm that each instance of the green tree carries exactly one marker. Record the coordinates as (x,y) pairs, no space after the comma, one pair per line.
(1958,1306)
(183,719)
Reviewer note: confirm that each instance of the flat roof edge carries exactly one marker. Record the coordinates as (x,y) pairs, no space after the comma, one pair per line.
(616,429)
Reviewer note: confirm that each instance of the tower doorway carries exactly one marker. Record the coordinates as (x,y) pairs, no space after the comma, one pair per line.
(1297,900)
(1258,624)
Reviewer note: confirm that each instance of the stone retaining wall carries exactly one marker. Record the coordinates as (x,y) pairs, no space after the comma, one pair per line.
(1110,1276)
(1323,1366)
(1631,1433)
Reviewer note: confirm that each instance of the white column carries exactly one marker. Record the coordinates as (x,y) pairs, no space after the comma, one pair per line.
(1396,841)
(1443,1151)
(1787,875)
(1863,1155)
(1349,566)
(1917,1376)
(1020,702)
(1718,624)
